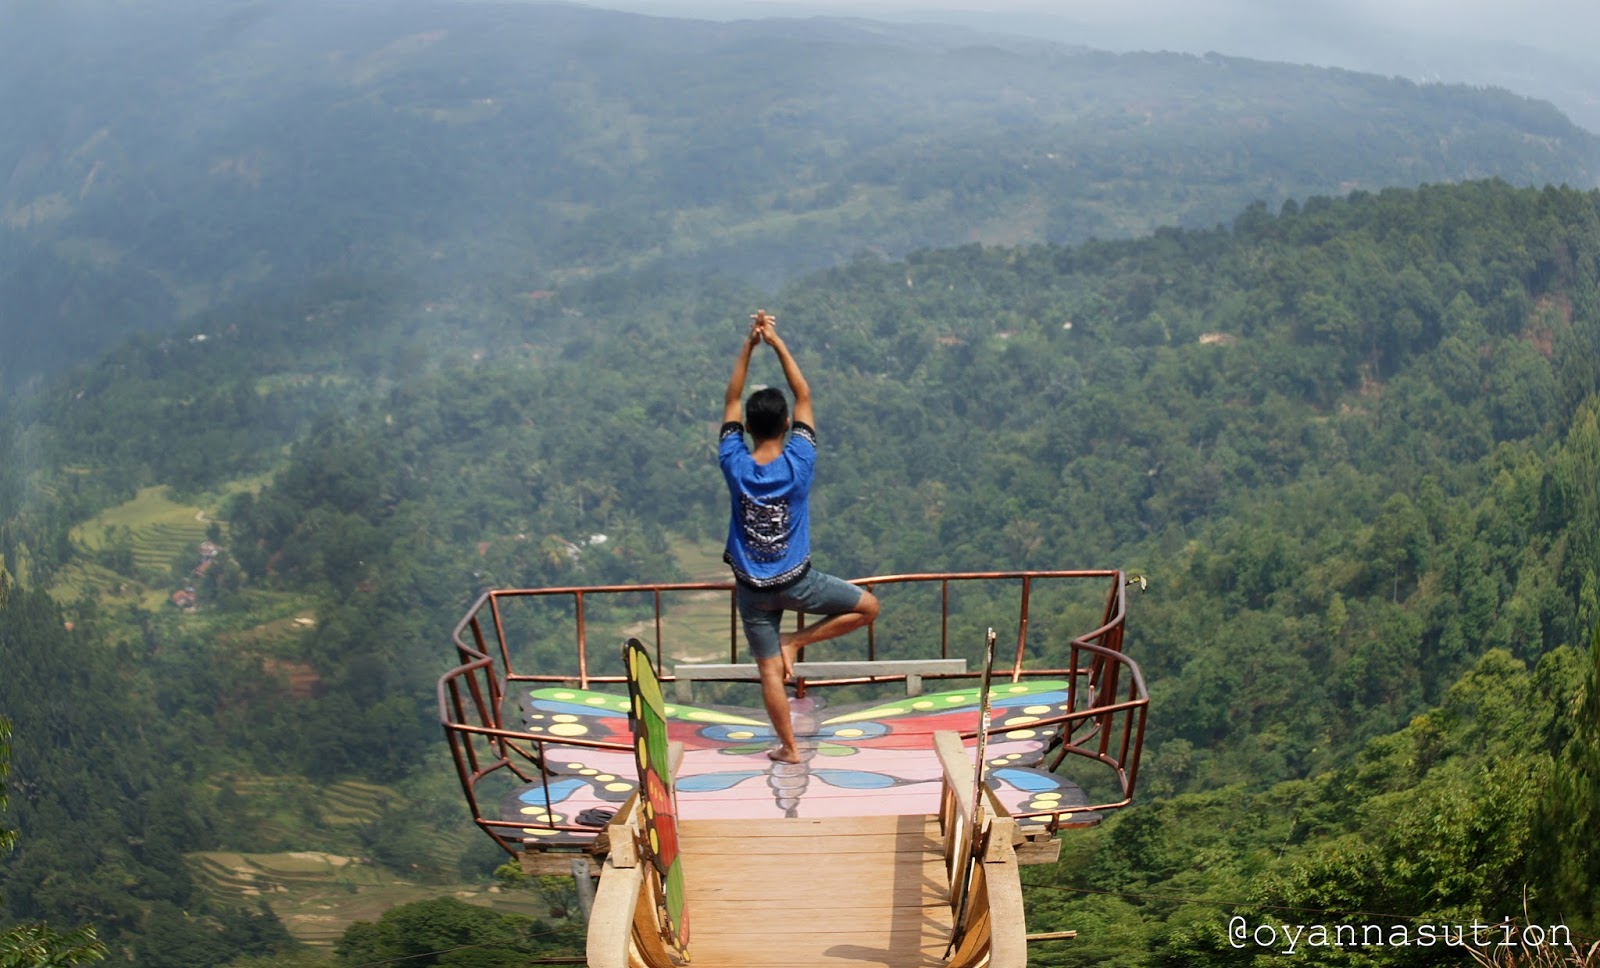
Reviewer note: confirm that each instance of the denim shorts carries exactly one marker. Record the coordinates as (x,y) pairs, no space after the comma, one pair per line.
(815,594)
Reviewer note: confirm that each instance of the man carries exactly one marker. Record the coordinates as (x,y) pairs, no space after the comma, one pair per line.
(769,530)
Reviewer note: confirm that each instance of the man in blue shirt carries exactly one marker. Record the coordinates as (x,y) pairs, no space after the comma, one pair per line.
(769,529)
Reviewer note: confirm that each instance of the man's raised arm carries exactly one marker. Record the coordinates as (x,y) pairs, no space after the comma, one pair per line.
(791,370)
(731,409)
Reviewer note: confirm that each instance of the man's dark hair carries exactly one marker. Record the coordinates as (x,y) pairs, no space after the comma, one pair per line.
(766,413)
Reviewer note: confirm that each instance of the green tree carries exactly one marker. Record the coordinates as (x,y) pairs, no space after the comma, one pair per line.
(1564,826)
(37,945)
(449,932)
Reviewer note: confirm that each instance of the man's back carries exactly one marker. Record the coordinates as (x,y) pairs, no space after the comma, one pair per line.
(769,527)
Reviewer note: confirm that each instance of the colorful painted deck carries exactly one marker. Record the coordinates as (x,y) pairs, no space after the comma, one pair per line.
(866,760)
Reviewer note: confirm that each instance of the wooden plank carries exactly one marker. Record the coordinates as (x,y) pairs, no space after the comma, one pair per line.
(551,863)
(1038,851)
(959,775)
(758,955)
(1008,929)
(906,892)
(837,868)
(806,826)
(824,921)
(611,921)
(1002,832)
(819,938)
(847,891)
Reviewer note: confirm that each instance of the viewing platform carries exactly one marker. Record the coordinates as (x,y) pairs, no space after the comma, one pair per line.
(861,844)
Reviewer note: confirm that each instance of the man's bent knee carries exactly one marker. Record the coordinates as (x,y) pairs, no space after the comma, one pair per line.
(868,606)
(770,667)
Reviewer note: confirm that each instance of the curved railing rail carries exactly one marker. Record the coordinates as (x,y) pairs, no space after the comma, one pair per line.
(1105,724)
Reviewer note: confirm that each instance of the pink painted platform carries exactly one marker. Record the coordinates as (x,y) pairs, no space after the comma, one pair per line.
(871,760)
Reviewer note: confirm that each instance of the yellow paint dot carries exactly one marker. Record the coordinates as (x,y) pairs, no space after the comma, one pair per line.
(569,729)
(591,771)
(643,753)
(742,734)
(535,832)
(605,778)
(537,716)
(999,762)
(1020,734)
(1037,710)
(1018,689)
(1019,720)
(1013,756)
(563,695)
(955,699)
(596,701)
(536,813)
(1048,796)
(574,766)
(924,704)
(535,729)
(670,710)
(655,841)
(703,716)
(849,733)
(619,787)
(564,718)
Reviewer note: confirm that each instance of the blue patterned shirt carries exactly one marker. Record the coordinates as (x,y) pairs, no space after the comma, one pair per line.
(769,528)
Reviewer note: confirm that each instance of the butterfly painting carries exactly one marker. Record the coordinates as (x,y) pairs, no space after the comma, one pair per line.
(869,759)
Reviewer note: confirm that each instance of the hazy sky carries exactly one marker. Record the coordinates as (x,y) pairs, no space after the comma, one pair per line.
(1569,25)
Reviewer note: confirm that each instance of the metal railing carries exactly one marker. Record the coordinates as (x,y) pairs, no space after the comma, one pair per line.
(1104,724)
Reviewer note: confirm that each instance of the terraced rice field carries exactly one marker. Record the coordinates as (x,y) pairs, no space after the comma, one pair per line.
(159,533)
(318,894)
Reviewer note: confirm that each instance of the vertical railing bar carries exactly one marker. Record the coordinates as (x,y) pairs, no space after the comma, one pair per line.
(496,693)
(499,632)
(1127,725)
(476,625)
(658,627)
(456,707)
(476,690)
(583,641)
(944,618)
(1109,690)
(1138,748)
(1022,629)
(872,650)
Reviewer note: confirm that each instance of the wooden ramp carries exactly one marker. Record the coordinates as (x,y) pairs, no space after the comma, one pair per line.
(797,893)
(803,892)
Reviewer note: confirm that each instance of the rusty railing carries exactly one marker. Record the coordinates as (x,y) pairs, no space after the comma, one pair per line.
(1104,724)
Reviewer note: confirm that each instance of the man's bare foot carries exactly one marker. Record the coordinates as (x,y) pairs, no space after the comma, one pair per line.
(781,755)
(790,653)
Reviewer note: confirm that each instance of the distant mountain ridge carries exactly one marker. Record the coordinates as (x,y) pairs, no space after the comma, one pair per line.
(161,160)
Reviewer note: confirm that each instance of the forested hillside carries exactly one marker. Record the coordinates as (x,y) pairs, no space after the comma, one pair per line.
(163,159)
(1354,443)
